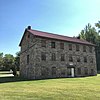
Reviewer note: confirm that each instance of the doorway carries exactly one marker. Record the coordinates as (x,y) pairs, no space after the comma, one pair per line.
(71,72)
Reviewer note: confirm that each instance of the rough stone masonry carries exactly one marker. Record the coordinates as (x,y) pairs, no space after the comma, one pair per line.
(46,55)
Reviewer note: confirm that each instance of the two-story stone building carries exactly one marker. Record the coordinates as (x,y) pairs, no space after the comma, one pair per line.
(47,55)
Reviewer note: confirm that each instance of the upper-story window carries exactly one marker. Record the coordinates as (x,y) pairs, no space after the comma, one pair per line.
(90,49)
(91,60)
(28,36)
(52,44)
(43,43)
(61,45)
(70,58)
(53,57)
(85,59)
(62,57)
(77,47)
(84,48)
(70,46)
(27,59)
(43,56)
(78,59)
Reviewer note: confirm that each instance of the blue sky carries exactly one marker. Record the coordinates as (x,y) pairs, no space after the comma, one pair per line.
(65,17)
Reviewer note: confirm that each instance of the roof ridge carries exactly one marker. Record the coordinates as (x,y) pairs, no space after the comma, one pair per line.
(61,37)
(58,35)
(52,33)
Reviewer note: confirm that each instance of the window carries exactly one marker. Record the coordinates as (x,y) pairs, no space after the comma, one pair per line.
(44,71)
(63,72)
(90,49)
(27,59)
(77,47)
(43,56)
(28,36)
(61,45)
(70,46)
(91,60)
(78,59)
(86,71)
(79,71)
(53,57)
(53,71)
(43,43)
(92,72)
(62,57)
(84,48)
(85,59)
(52,44)
(70,58)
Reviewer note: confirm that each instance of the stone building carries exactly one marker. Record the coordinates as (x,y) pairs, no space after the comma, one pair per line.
(46,55)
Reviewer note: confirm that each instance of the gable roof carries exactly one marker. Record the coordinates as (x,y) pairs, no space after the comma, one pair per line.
(56,36)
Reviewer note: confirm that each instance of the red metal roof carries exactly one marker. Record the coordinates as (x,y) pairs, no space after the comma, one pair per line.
(59,37)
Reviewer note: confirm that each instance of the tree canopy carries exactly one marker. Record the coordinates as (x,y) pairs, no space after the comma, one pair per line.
(91,34)
(8,61)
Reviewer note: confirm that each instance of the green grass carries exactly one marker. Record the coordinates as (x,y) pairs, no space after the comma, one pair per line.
(14,88)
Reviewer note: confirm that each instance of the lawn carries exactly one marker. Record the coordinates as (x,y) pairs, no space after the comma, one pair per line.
(14,88)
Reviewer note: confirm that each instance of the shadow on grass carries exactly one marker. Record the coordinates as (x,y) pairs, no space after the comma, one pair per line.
(12,79)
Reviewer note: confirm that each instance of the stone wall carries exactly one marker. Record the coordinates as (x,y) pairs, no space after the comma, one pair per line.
(38,69)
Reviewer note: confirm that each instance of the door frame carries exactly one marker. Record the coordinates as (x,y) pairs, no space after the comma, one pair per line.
(72,71)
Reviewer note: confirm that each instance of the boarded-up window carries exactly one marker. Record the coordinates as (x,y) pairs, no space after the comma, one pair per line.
(63,72)
(53,57)
(44,71)
(52,44)
(53,71)
(43,43)
(90,49)
(91,60)
(78,59)
(77,47)
(86,71)
(85,59)
(61,45)
(79,71)
(43,56)
(92,72)
(70,58)
(70,46)
(84,48)
(27,59)
(28,36)
(62,57)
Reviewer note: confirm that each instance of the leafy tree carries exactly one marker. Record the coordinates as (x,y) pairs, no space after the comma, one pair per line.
(17,60)
(1,60)
(8,61)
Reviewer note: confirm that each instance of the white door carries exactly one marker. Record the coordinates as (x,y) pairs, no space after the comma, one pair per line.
(72,72)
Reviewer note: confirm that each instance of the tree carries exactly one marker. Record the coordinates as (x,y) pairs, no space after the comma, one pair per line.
(1,60)
(17,60)
(91,35)
(8,61)
(98,26)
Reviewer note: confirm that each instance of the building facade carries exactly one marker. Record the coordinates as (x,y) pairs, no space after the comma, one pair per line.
(46,55)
